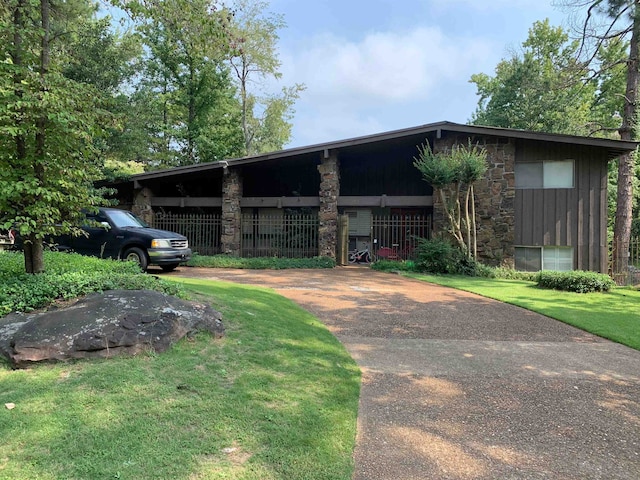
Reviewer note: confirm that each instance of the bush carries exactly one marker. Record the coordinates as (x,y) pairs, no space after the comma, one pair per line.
(440,256)
(577,281)
(68,276)
(394,266)
(259,263)
(504,273)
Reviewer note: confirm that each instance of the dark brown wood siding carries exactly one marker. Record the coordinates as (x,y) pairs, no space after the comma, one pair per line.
(575,217)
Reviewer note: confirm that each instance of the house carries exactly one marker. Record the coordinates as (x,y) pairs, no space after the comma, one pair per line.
(541,205)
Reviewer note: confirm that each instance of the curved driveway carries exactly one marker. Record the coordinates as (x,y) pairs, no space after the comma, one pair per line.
(456,386)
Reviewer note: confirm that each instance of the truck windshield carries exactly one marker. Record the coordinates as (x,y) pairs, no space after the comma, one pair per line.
(122,219)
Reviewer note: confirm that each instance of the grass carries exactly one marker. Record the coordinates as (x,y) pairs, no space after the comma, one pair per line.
(614,315)
(258,263)
(68,275)
(275,399)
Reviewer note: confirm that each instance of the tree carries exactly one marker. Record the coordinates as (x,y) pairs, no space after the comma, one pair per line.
(47,127)
(540,89)
(186,90)
(452,174)
(606,21)
(265,119)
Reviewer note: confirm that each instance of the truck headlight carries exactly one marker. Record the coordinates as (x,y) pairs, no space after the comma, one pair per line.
(160,243)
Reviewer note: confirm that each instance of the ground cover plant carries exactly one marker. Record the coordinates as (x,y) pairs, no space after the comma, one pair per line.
(613,314)
(259,263)
(275,399)
(68,276)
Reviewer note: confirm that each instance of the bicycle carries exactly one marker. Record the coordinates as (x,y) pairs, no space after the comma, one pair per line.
(360,256)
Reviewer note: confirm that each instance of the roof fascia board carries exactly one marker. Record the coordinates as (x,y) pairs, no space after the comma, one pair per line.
(437,128)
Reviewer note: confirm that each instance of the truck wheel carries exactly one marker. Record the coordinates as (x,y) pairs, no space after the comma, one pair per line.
(137,255)
(169,268)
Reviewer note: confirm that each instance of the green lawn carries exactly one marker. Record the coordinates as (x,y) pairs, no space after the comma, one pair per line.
(614,315)
(276,398)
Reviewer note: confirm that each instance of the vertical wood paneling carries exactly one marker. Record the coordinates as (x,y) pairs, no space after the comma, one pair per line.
(574,217)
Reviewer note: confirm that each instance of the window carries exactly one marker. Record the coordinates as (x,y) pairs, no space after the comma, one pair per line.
(557,258)
(533,259)
(528,259)
(550,174)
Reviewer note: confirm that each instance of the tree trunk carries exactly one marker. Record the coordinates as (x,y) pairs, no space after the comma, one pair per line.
(449,207)
(34,250)
(18,24)
(474,229)
(626,163)
(467,220)
(33,255)
(191,119)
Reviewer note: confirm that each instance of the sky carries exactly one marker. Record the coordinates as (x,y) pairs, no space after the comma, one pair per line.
(372,66)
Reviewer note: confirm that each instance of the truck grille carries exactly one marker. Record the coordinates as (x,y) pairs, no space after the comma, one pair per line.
(179,243)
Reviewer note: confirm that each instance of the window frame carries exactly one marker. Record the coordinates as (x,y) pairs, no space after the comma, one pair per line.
(542,249)
(542,163)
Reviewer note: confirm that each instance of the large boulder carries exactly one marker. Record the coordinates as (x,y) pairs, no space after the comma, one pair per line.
(103,325)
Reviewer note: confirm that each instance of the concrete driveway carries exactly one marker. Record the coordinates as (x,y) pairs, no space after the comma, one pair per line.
(456,386)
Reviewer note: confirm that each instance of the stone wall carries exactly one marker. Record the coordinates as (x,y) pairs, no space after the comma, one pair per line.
(328,215)
(231,212)
(495,199)
(142,205)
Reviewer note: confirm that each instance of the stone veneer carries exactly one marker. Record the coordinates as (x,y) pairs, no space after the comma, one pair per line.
(142,205)
(328,215)
(231,212)
(495,199)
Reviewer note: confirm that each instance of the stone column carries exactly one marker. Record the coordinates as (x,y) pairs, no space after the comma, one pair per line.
(142,205)
(495,204)
(495,199)
(231,212)
(328,216)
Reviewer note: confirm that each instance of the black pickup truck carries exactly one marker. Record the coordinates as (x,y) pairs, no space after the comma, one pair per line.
(120,234)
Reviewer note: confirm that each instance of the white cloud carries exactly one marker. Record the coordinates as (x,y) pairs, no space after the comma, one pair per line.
(382,66)
(347,80)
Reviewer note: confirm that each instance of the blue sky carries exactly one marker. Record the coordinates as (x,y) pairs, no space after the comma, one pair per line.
(377,65)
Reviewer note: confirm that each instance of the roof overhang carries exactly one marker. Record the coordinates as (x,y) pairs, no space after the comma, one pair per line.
(614,148)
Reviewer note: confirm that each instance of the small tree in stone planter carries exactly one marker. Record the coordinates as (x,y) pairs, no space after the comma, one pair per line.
(452,173)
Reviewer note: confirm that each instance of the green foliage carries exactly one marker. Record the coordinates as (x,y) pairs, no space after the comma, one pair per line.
(279,392)
(49,125)
(576,281)
(439,170)
(544,88)
(507,273)
(68,276)
(612,314)
(259,263)
(254,61)
(453,173)
(394,266)
(441,257)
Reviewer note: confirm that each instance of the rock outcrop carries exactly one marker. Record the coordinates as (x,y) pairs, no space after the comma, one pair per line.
(103,325)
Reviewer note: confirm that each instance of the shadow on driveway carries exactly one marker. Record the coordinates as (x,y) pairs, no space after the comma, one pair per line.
(457,386)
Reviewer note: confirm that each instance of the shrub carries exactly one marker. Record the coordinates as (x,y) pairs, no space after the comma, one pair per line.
(505,273)
(259,263)
(394,266)
(440,256)
(576,281)
(68,276)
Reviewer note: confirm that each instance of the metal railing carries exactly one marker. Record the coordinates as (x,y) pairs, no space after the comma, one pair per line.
(395,237)
(202,230)
(290,236)
(293,236)
(625,268)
